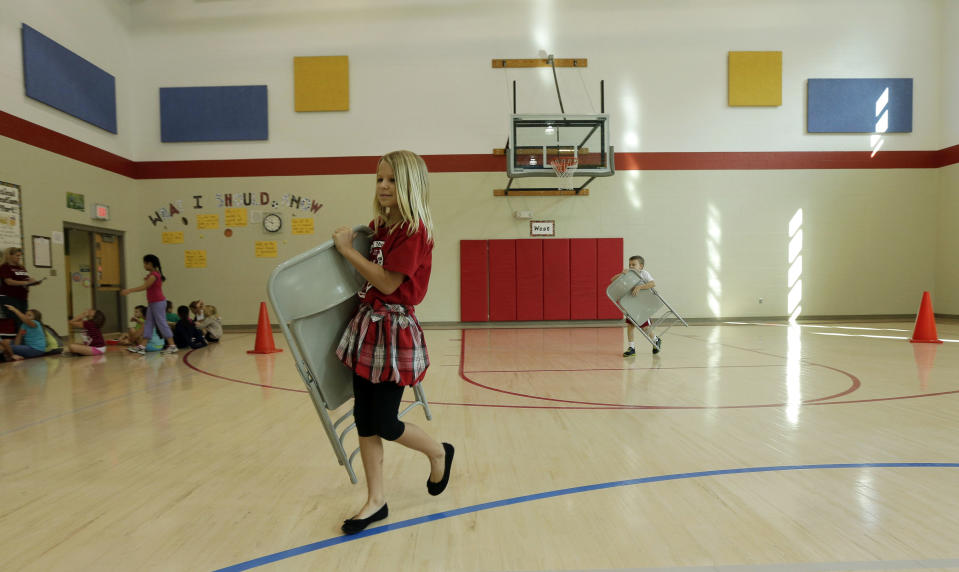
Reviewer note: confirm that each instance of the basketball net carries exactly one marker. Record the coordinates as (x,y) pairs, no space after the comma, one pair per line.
(564,169)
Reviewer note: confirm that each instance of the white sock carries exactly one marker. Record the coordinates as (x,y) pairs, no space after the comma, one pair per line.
(632,345)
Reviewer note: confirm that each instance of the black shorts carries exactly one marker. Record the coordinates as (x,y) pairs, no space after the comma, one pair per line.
(376,407)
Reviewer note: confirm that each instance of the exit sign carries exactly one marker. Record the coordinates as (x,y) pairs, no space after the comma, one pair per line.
(101,212)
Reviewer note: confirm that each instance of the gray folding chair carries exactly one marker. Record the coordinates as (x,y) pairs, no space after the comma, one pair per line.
(647,305)
(313,296)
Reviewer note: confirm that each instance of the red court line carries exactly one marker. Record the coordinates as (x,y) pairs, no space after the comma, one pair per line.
(230,379)
(611,369)
(855,385)
(574,405)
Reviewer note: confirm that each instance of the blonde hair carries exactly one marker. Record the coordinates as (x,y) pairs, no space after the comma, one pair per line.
(8,254)
(209,310)
(412,192)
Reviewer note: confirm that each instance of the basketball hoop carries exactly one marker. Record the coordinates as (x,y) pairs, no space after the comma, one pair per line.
(564,169)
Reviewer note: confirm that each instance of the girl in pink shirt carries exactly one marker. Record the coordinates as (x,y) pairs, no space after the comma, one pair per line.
(156,305)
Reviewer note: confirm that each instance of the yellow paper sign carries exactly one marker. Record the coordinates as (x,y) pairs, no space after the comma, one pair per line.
(302,226)
(234,217)
(195,258)
(265,249)
(172,238)
(207,221)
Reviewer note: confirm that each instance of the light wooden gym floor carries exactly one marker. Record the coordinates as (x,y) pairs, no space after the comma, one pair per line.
(830,446)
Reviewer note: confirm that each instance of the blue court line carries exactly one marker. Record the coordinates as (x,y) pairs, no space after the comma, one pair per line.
(270,558)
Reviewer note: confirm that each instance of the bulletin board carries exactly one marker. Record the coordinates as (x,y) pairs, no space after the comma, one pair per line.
(11,229)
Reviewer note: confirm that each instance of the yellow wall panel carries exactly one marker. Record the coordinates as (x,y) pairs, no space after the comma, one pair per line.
(755,79)
(321,83)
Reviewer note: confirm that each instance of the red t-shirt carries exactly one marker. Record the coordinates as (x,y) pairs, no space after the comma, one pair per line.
(93,336)
(411,256)
(155,291)
(18,273)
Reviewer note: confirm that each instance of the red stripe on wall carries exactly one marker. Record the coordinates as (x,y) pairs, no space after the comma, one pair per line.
(777,160)
(948,156)
(33,134)
(257,167)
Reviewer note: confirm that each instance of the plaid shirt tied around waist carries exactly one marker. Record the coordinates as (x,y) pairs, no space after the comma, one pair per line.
(384,342)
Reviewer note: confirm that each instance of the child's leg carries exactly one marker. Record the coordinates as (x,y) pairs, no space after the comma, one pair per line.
(156,313)
(7,350)
(371,451)
(417,439)
(25,352)
(371,445)
(81,349)
(630,328)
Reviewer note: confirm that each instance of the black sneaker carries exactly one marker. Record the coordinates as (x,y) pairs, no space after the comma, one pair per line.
(658,346)
(629,352)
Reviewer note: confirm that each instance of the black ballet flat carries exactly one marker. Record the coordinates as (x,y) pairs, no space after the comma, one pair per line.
(355,525)
(436,488)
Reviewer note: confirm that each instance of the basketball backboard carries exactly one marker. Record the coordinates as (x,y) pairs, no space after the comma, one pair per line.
(537,140)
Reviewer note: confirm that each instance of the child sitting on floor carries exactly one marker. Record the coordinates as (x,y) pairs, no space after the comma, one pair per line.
(210,325)
(90,321)
(31,340)
(185,334)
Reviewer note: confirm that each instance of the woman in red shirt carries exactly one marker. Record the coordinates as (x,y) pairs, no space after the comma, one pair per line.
(383,344)
(14,282)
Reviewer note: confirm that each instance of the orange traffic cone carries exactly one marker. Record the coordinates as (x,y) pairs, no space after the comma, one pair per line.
(925,330)
(264,334)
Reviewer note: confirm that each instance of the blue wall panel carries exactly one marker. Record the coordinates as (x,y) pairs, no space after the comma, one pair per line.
(850,105)
(227,113)
(60,78)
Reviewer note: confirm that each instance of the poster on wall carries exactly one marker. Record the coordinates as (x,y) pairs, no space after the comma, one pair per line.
(76,201)
(235,217)
(205,221)
(173,237)
(11,232)
(195,258)
(42,257)
(302,226)
(265,249)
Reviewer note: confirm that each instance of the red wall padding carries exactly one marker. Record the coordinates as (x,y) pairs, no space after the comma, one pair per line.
(609,262)
(582,279)
(538,279)
(529,279)
(502,280)
(556,279)
(474,281)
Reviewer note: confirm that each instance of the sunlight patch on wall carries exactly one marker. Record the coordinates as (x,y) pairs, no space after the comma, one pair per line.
(882,124)
(714,237)
(794,262)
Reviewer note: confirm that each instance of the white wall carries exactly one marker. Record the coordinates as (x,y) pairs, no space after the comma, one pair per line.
(947,271)
(950,73)
(93,29)
(420,75)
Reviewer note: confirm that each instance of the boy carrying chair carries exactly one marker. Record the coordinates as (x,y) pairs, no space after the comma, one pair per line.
(633,291)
